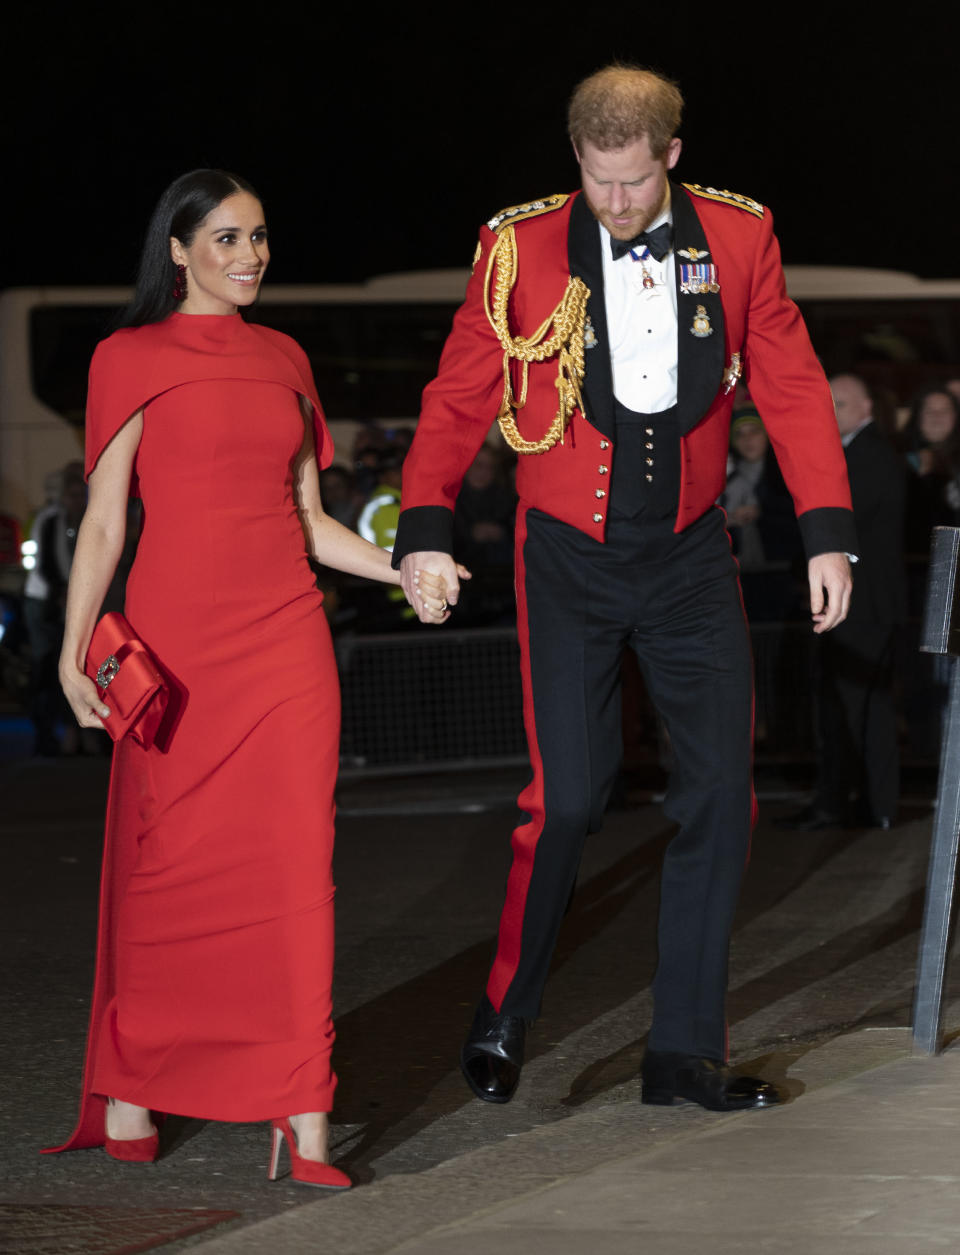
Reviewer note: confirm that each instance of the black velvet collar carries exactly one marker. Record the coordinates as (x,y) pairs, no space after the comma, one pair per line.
(700,360)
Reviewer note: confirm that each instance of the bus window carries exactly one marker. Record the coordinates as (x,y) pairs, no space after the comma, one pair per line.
(370,361)
(900,345)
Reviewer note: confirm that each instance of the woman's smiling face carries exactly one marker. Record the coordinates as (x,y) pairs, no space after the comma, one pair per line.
(226,258)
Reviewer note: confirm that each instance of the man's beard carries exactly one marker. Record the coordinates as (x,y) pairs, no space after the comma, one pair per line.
(639,221)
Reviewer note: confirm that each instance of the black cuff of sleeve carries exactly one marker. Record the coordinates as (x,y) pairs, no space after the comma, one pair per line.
(423,527)
(828,530)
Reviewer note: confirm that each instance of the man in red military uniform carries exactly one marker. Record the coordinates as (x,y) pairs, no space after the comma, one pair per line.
(606,331)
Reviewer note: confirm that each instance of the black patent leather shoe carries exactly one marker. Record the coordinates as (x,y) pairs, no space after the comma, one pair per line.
(492,1055)
(666,1076)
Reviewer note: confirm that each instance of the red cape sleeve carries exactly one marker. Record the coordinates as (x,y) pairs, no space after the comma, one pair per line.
(322,439)
(116,389)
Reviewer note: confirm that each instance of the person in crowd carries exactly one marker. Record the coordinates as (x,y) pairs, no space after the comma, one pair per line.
(368,444)
(336,493)
(760,519)
(741,496)
(400,438)
(54,533)
(858,752)
(606,331)
(377,522)
(932,442)
(483,538)
(885,411)
(212,991)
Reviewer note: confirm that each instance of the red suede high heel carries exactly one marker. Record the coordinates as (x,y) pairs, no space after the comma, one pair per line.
(306,1171)
(132,1149)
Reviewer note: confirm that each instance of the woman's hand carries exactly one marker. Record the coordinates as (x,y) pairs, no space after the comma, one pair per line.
(81,692)
(430,591)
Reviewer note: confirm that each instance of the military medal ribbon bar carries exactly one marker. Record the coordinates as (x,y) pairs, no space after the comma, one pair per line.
(696,278)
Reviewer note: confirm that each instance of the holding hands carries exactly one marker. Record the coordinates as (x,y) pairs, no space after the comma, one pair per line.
(431,584)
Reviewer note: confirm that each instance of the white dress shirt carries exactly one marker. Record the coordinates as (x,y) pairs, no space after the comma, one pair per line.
(641,326)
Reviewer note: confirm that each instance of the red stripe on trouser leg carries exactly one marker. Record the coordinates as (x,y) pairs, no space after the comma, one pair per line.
(526,836)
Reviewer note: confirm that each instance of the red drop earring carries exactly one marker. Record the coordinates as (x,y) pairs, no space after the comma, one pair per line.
(180,284)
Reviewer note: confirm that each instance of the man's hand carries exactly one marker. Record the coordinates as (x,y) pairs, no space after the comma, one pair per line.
(831,583)
(437,570)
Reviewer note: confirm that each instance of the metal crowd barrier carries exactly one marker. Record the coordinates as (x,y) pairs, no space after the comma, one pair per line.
(445,699)
(430,700)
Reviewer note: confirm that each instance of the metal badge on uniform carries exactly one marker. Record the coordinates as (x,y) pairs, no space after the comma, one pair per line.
(693,254)
(698,277)
(732,374)
(590,340)
(646,285)
(701,324)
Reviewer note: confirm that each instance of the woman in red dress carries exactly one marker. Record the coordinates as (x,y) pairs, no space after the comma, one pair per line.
(213,979)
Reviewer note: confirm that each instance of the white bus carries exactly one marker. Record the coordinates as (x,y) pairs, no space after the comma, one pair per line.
(375,345)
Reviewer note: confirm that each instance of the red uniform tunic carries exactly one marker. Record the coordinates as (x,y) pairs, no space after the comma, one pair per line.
(759,323)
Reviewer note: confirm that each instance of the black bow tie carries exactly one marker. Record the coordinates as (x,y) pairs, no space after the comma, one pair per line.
(659,242)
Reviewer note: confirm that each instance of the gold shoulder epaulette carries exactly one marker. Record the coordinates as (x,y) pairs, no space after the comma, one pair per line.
(531,209)
(727,198)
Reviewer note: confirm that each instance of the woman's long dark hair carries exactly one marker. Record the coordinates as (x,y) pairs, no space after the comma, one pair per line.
(179,212)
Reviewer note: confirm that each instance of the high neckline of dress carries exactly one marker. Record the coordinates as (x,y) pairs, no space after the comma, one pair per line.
(207,328)
(208,318)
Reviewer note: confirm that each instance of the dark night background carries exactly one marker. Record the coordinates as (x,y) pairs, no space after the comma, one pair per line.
(379,142)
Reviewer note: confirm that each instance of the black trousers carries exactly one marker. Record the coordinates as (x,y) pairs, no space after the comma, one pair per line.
(675,600)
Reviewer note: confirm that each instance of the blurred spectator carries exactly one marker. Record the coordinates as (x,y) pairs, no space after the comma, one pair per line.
(760,518)
(932,442)
(749,445)
(483,540)
(400,438)
(885,412)
(382,608)
(55,534)
(858,751)
(484,515)
(932,439)
(368,444)
(377,521)
(337,494)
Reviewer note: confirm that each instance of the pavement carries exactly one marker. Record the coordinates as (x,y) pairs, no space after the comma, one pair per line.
(865,1165)
(862,1156)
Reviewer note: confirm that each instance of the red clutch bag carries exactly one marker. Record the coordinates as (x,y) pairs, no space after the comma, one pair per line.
(127,679)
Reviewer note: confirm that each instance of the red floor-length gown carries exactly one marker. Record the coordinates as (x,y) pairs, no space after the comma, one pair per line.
(215,953)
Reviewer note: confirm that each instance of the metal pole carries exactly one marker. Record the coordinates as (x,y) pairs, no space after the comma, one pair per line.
(940,636)
(941,875)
